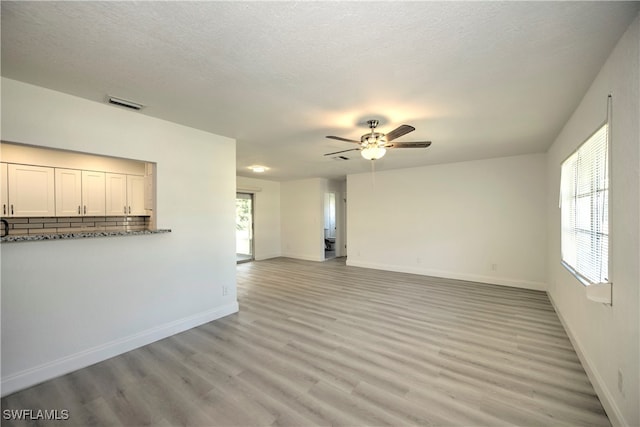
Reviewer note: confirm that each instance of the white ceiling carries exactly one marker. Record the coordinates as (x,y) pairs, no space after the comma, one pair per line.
(479,79)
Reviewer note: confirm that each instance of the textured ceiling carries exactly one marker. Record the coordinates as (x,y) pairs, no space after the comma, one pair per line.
(479,79)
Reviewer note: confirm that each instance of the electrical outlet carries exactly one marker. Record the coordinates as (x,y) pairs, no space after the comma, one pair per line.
(418,260)
(494,267)
(225,291)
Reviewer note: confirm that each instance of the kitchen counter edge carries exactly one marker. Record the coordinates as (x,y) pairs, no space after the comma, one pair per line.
(78,235)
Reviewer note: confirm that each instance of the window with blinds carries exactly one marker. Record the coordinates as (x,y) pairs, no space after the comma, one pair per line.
(584,204)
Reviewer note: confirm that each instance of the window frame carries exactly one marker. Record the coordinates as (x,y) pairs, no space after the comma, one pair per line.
(574,270)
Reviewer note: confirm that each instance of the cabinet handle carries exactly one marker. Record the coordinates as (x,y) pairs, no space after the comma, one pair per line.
(78,210)
(85,209)
(11,209)
(125,210)
(4,209)
(129,209)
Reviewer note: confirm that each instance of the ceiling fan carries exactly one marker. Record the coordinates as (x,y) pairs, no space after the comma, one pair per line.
(374,145)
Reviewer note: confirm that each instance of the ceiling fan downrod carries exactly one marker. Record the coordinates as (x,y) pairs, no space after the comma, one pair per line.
(374,138)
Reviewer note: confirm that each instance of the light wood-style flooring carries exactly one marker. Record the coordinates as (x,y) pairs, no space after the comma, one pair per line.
(330,345)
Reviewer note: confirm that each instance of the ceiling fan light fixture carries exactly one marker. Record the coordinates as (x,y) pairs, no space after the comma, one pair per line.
(373,152)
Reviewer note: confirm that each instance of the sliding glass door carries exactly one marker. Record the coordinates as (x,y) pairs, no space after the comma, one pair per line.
(244,227)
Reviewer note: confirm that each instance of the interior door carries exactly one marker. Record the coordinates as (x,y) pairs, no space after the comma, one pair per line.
(244,227)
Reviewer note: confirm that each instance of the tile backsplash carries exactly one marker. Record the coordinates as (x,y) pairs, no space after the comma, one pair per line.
(54,225)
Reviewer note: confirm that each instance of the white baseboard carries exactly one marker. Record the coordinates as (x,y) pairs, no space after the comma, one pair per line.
(515,283)
(303,257)
(72,362)
(607,400)
(268,256)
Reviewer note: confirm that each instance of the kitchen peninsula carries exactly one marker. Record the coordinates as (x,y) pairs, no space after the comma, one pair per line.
(50,194)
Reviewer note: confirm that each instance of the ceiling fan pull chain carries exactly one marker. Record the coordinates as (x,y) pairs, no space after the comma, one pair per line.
(373,173)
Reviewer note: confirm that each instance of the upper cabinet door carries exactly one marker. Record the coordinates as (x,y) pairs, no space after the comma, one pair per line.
(68,192)
(31,191)
(4,191)
(93,193)
(135,195)
(116,194)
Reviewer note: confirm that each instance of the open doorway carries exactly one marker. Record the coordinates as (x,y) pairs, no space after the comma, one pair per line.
(244,227)
(329,225)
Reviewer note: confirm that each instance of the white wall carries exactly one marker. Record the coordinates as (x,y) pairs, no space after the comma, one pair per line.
(453,220)
(67,304)
(302,219)
(266,215)
(25,154)
(606,337)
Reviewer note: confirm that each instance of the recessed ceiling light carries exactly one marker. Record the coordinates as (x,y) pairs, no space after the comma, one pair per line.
(258,168)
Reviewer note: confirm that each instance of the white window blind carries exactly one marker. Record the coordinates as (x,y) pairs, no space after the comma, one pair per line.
(584,205)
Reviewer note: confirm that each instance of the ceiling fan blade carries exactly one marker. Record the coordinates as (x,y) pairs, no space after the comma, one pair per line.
(416,144)
(339,138)
(399,131)
(343,151)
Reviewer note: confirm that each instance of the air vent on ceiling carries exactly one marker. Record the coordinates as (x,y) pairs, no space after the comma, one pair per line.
(124,103)
(340,158)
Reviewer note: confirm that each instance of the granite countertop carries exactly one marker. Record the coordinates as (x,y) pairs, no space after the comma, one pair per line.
(78,235)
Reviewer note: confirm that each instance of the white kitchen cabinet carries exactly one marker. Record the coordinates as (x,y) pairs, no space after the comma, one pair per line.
(93,193)
(116,194)
(79,193)
(135,195)
(68,192)
(31,190)
(125,194)
(4,190)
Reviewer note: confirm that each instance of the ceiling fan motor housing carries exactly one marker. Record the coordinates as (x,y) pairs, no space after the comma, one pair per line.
(373,138)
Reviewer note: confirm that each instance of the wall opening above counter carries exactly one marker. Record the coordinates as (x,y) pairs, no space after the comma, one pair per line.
(50,191)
